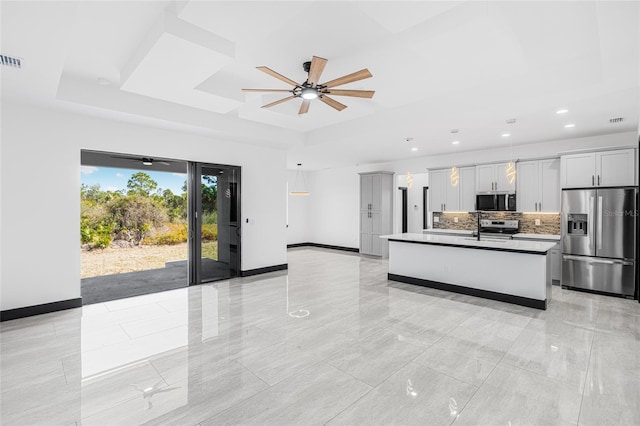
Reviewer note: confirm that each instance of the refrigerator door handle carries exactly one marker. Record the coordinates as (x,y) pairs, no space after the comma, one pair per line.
(591,219)
(599,225)
(597,260)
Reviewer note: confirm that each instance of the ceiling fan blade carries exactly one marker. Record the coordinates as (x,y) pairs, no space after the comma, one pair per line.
(317,66)
(332,103)
(349,78)
(266,90)
(278,102)
(354,93)
(279,76)
(304,108)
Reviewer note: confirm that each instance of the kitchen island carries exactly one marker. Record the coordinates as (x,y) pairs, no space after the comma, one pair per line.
(506,270)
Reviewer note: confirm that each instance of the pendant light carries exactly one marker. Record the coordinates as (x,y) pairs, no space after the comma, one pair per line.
(454,177)
(297,189)
(511,166)
(409,180)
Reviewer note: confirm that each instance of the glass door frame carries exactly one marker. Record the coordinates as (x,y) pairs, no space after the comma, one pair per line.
(194,217)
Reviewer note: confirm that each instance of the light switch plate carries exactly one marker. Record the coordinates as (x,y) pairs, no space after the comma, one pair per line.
(436,219)
(537,222)
(455,219)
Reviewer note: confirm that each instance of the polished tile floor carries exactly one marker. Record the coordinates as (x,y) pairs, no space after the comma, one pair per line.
(330,342)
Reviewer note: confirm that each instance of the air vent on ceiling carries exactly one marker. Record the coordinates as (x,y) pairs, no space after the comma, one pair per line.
(11,61)
(616,120)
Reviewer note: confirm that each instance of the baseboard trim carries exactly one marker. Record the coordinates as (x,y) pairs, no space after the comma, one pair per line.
(501,297)
(326,246)
(45,308)
(257,271)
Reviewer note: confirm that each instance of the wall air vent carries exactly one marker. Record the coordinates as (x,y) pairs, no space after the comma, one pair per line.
(616,120)
(11,61)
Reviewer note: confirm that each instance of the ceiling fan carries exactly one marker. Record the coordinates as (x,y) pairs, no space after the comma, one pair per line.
(311,89)
(146,161)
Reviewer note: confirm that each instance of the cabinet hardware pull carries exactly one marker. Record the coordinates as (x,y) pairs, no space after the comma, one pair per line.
(540,206)
(593,180)
(598,180)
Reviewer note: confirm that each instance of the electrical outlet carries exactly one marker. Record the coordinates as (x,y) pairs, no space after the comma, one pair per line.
(455,219)
(537,222)
(436,219)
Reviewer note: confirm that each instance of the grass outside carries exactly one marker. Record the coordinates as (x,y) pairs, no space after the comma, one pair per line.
(110,261)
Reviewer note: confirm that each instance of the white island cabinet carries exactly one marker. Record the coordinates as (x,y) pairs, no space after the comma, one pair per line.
(506,270)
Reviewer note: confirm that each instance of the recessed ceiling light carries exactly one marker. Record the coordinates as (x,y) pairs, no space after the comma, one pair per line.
(567,126)
(414,149)
(455,142)
(506,135)
(562,111)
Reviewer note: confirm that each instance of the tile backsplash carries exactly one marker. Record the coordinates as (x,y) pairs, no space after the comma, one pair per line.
(549,222)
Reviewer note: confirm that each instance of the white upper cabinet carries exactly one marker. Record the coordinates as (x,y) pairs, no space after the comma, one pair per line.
(528,186)
(615,168)
(493,177)
(539,186)
(549,185)
(437,190)
(467,189)
(485,178)
(452,189)
(593,169)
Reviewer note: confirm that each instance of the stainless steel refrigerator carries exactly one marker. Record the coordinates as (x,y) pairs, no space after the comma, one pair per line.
(599,239)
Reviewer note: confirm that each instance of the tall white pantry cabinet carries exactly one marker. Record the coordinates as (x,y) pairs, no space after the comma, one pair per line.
(376,207)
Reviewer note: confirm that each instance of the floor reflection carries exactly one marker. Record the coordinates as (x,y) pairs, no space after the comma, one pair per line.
(329,340)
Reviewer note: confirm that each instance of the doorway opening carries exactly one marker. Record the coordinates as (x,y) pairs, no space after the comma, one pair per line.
(147,227)
(405,224)
(425,210)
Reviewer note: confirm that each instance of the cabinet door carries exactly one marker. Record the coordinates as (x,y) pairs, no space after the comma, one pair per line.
(549,182)
(376,226)
(484,178)
(467,189)
(436,190)
(451,192)
(578,170)
(502,180)
(366,192)
(376,188)
(528,186)
(615,168)
(556,262)
(365,232)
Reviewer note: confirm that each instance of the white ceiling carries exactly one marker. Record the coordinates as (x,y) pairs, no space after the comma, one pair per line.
(436,66)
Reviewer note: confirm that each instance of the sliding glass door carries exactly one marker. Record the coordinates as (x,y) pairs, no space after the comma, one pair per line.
(214,222)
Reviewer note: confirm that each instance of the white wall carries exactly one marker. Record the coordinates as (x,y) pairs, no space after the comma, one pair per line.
(298,209)
(40,178)
(414,202)
(334,207)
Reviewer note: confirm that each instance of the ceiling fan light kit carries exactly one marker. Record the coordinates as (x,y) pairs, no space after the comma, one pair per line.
(311,89)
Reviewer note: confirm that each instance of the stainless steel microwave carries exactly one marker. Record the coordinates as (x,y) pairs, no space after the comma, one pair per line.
(496,202)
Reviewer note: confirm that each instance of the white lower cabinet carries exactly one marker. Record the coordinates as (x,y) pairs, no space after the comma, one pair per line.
(556,264)
(555,252)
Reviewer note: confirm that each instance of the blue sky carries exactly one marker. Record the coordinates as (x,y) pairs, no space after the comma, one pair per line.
(112,179)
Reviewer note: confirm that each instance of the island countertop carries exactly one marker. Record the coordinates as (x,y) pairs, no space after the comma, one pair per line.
(516,246)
